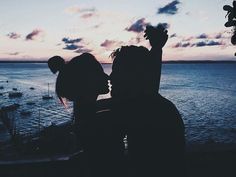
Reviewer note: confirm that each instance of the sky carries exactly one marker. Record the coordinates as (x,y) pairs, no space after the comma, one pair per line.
(38,30)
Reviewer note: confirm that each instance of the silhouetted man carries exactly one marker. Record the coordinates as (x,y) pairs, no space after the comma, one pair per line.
(152,123)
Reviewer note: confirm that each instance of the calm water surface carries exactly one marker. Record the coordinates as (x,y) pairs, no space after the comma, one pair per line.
(205,95)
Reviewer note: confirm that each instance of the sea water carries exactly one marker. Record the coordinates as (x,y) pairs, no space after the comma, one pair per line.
(204,93)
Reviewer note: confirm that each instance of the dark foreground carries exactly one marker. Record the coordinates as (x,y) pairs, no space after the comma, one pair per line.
(198,164)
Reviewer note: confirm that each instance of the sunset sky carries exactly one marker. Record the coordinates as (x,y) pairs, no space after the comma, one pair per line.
(39,29)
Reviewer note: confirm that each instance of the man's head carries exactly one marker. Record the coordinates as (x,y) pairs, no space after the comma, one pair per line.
(133,71)
(55,64)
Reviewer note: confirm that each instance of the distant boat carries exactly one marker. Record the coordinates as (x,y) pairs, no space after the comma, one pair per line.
(15,94)
(15,89)
(47,97)
(32,88)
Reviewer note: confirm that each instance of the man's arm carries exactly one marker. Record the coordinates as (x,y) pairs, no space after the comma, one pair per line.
(156,54)
(157,37)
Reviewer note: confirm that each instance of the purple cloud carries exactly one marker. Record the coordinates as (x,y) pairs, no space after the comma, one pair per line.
(92,9)
(97,26)
(87,15)
(197,44)
(187,13)
(83,50)
(222,34)
(169,9)
(107,43)
(76,9)
(138,26)
(14,53)
(208,43)
(165,25)
(13,35)
(71,41)
(180,44)
(202,36)
(218,36)
(111,44)
(77,48)
(173,35)
(71,47)
(33,34)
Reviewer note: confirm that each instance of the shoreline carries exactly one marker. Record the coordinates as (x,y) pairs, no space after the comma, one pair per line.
(164,62)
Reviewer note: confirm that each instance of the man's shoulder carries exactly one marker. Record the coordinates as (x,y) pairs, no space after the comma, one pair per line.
(170,109)
(166,106)
(157,100)
(164,101)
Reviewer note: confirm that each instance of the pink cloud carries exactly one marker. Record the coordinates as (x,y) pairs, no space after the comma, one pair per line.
(33,34)
(111,44)
(13,35)
(87,15)
(77,9)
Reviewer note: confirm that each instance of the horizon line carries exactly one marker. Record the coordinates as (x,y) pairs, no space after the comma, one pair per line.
(165,61)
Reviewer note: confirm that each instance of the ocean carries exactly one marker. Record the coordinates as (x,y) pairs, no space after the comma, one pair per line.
(204,93)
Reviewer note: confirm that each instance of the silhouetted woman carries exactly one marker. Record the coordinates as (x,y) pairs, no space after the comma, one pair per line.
(81,80)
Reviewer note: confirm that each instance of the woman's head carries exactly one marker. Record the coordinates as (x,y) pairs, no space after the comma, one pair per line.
(82,78)
(56,63)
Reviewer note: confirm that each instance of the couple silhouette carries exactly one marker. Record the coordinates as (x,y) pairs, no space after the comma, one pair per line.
(151,123)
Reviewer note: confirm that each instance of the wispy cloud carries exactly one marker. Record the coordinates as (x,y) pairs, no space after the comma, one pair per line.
(181,44)
(87,15)
(173,35)
(222,35)
(202,36)
(67,40)
(107,43)
(202,40)
(208,43)
(137,40)
(218,36)
(165,25)
(33,34)
(188,13)
(13,35)
(138,26)
(85,12)
(210,36)
(82,49)
(72,44)
(77,48)
(77,9)
(14,53)
(71,47)
(198,44)
(169,9)
(111,44)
